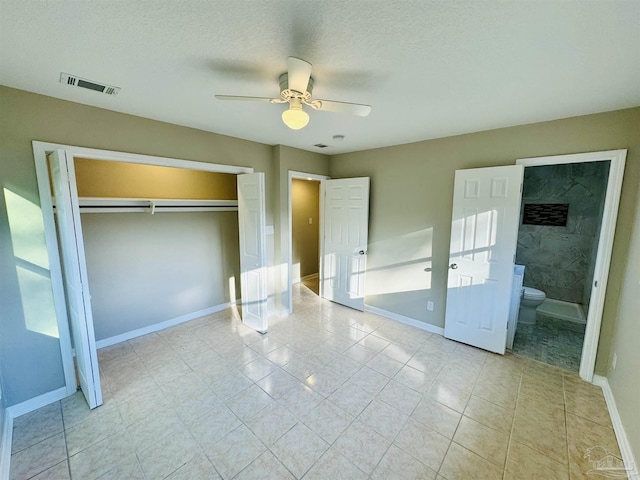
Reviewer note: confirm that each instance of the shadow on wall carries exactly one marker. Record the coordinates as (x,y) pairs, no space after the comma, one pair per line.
(28,313)
(399,273)
(400,264)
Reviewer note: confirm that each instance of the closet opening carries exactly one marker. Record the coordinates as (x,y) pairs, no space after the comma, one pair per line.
(145,242)
(161,245)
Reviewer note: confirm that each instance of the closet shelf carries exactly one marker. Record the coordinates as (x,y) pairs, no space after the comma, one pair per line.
(153,205)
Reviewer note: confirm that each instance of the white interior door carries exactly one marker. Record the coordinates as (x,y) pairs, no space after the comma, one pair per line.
(484,231)
(253,264)
(75,276)
(346,225)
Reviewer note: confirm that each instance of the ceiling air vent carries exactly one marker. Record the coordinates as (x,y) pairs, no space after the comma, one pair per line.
(75,81)
(321,145)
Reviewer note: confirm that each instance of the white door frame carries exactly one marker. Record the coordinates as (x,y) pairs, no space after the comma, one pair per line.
(303,176)
(605,243)
(40,151)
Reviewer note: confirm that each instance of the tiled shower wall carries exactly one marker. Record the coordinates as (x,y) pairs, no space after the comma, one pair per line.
(560,261)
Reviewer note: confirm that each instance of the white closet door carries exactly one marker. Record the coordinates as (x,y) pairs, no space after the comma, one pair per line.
(484,231)
(346,225)
(75,276)
(253,264)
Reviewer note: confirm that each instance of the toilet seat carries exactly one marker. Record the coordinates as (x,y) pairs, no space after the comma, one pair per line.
(533,293)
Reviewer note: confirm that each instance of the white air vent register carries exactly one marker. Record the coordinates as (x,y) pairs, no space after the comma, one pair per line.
(75,81)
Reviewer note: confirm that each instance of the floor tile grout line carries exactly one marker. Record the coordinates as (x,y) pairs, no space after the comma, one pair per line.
(566,426)
(238,364)
(462,415)
(351,423)
(513,426)
(535,448)
(40,441)
(184,425)
(66,445)
(36,443)
(456,429)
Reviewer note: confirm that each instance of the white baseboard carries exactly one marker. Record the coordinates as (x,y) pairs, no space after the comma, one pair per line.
(5,445)
(406,320)
(37,402)
(618,427)
(106,342)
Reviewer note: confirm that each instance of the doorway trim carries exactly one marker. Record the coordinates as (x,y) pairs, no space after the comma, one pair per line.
(302,176)
(40,152)
(617,160)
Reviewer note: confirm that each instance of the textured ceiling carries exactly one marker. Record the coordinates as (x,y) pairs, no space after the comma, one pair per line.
(429,68)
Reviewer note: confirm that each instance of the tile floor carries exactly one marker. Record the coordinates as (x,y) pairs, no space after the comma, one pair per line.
(328,393)
(550,340)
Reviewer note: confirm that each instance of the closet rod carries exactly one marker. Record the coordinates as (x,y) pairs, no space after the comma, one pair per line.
(141,205)
(152,202)
(134,209)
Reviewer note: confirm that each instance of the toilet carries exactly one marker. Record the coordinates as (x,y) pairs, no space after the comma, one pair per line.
(531,298)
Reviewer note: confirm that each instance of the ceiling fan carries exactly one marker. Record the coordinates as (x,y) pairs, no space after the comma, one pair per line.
(296,86)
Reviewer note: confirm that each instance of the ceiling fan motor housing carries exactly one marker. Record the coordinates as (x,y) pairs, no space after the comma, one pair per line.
(287,94)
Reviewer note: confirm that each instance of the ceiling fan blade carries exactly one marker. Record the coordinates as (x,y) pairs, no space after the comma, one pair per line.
(342,107)
(248,99)
(299,74)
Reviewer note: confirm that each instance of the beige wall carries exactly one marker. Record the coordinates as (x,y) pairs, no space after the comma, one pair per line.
(410,205)
(147,269)
(411,200)
(305,205)
(32,363)
(99,178)
(625,378)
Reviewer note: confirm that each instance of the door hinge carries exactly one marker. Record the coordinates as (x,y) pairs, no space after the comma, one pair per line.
(595,284)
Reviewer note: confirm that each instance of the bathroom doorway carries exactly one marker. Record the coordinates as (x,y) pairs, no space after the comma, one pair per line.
(558,239)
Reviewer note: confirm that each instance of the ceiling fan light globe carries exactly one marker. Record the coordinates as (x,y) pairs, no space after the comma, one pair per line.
(295,118)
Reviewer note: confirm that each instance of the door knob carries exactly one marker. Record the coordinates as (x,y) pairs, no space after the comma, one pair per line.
(453,266)
(362,252)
